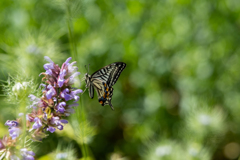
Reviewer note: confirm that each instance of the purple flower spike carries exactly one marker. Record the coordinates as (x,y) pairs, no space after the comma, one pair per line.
(51,91)
(60,107)
(37,123)
(48,111)
(51,129)
(14,132)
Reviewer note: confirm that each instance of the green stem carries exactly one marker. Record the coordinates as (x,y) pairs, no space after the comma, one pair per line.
(74,55)
(70,31)
(84,147)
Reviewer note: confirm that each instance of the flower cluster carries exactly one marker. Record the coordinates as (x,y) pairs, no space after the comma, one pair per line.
(48,111)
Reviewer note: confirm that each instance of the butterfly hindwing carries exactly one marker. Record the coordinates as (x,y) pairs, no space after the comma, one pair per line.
(105,96)
(91,91)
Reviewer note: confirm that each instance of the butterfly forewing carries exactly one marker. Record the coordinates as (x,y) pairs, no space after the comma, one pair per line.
(115,73)
(110,74)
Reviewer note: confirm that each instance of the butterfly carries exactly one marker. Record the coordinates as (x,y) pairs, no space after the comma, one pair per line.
(103,80)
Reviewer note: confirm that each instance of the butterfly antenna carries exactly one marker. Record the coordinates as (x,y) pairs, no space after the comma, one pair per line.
(88,67)
(84,90)
(83,79)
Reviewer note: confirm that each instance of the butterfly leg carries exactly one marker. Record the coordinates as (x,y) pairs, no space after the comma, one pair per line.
(84,90)
(110,104)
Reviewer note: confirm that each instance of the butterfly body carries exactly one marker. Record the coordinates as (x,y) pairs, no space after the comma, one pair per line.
(103,80)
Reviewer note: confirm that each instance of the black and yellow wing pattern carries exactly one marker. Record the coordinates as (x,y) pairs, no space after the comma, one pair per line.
(103,80)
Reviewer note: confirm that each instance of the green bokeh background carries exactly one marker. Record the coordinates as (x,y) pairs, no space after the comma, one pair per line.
(179,96)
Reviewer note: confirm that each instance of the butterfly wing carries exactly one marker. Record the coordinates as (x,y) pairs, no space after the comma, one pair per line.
(91,91)
(103,80)
(110,74)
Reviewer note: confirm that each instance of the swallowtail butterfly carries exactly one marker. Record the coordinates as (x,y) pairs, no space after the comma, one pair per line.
(103,80)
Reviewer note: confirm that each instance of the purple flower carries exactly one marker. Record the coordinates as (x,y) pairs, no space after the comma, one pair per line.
(64,121)
(61,77)
(51,91)
(60,107)
(14,132)
(37,123)
(50,65)
(49,72)
(73,93)
(67,61)
(35,101)
(67,95)
(11,123)
(55,120)
(44,85)
(60,127)
(29,118)
(71,78)
(58,123)
(71,68)
(51,129)
(27,155)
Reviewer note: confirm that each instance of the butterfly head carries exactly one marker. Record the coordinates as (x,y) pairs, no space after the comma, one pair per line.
(87,79)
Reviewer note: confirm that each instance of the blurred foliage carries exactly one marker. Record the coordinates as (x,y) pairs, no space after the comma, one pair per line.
(178,97)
